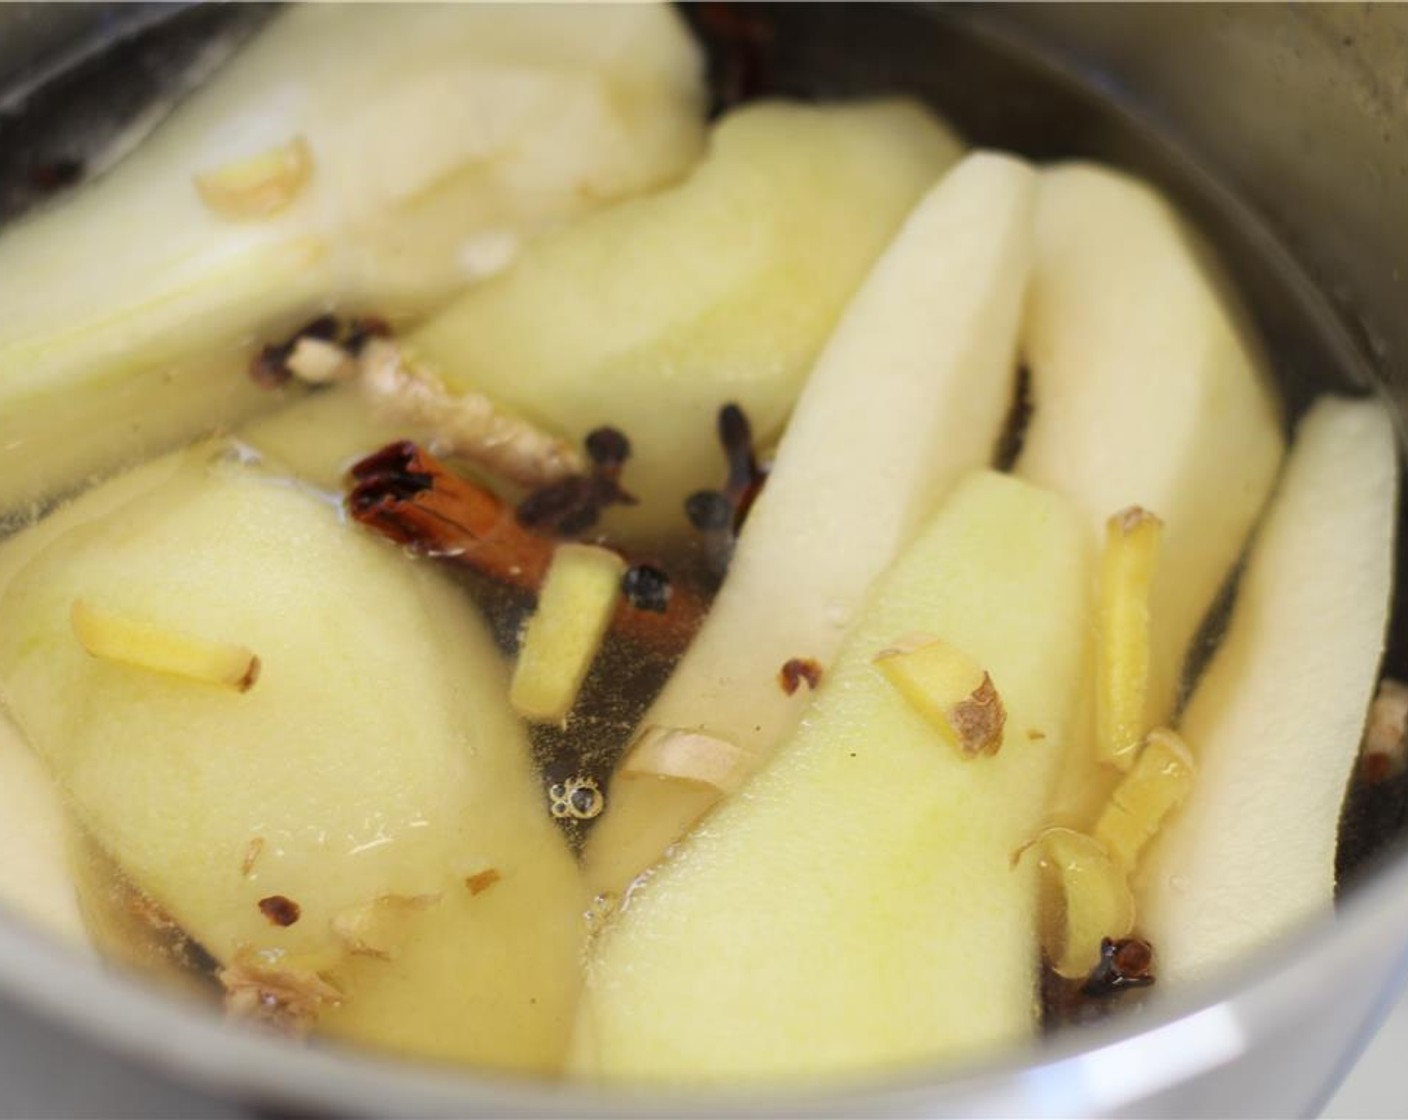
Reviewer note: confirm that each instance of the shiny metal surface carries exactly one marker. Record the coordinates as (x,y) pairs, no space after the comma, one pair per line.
(1283,130)
(1300,109)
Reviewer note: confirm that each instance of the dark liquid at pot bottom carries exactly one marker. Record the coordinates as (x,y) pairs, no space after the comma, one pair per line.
(996,92)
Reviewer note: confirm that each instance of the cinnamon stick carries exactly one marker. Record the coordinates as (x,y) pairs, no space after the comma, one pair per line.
(408,496)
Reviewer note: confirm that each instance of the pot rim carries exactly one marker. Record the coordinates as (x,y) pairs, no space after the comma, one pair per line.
(1095,1069)
(1100,1068)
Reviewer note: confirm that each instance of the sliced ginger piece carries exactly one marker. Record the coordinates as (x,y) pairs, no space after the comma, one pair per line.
(1123,649)
(275,989)
(574,609)
(258,186)
(688,756)
(1086,894)
(1155,786)
(469,425)
(1085,899)
(950,690)
(148,645)
(377,928)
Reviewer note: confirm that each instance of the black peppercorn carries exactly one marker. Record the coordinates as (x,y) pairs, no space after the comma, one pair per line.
(646,588)
(608,447)
(709,511)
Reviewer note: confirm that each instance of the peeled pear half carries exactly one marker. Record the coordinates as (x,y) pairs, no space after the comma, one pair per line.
(357,157)
(332,828)
(1276,721)
(909,393)
(653,314)
(856,906)
(1148,391)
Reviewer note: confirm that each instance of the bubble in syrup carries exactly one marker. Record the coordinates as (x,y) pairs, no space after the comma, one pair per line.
(578,798)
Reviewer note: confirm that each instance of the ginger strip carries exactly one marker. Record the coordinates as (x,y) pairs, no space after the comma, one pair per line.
(564,635)
(950,690)
(1155,786)
(1123,656)
(1085,899)
(146,645)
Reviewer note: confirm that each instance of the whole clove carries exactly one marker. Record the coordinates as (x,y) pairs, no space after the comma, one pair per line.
(718,515)
(608,448)
(1124,964)
(572,505)
(709,511)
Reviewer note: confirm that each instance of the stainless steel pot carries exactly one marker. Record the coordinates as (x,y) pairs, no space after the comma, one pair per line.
(1282,129)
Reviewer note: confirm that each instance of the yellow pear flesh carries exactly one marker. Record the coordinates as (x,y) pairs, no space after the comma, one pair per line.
(319,438)
(374,757)
(856,906)
(1275,723)
(910,391)
(40,884)
(652,315)
(35,882)
(1147,392)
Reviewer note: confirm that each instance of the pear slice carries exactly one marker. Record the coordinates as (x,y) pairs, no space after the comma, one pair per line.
(36,881)
(34,877)
(650,316)
(1147,392)
(1275,723)
(345,157)
(856,906)
(910,392)
(375,757)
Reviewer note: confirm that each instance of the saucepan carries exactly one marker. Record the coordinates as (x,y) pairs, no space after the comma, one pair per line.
(1281,129)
